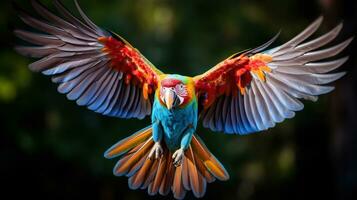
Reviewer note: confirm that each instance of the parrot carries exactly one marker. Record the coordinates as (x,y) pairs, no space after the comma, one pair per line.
(249,92)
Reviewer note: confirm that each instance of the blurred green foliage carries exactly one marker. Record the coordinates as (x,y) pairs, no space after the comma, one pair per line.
(45,130)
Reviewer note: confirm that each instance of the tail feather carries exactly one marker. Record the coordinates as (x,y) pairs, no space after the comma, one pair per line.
(151,175)
(202,185)
(198,168)
(155,185)
(122,168)
(138,179)
(116,169)
(168,177)
(128,143)
(177,186)
(203,170)
(137,165)
(185,175)
(193,173)
(208,159)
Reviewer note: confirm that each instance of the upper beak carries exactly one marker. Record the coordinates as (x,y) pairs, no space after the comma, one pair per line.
(170,99)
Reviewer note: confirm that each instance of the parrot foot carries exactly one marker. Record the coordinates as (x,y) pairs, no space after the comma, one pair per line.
(178,157)
(156,150)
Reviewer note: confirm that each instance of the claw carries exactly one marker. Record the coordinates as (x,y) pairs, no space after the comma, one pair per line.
(178,157)
(156,150)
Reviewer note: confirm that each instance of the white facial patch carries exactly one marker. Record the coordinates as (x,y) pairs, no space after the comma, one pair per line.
(181,90)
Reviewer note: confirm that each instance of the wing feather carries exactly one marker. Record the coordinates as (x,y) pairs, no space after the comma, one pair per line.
(88,62)
(262,87)
(249,111)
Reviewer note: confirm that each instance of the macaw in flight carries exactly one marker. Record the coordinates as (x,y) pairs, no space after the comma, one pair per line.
(248,92)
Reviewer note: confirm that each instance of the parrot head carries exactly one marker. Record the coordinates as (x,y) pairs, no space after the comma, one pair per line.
(176,91)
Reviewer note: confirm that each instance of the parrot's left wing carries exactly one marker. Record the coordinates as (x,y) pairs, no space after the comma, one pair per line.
(92,66)
(253,90)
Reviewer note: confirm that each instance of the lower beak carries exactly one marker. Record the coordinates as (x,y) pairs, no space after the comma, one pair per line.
(170,97)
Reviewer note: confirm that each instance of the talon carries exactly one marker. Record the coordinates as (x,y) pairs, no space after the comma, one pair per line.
(156,150)
(178,157)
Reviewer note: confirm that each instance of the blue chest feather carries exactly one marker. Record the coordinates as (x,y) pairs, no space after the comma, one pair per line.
(175,121)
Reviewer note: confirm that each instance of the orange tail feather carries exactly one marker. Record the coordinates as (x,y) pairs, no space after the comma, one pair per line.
(198,168)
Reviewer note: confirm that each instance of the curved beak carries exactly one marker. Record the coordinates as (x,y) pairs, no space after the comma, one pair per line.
(171,99)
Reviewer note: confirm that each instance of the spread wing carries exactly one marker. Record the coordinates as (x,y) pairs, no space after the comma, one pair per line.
(92,66)
(253,90)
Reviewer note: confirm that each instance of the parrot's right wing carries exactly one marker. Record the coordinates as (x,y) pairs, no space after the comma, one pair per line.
(253,90)
(97,68)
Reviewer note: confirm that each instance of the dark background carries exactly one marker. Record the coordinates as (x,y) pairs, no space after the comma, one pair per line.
(51,148)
